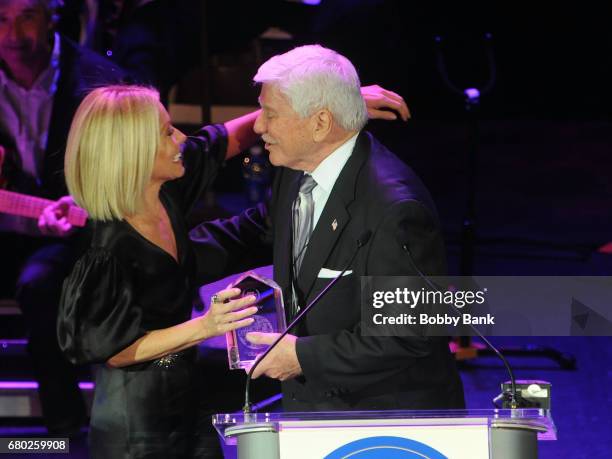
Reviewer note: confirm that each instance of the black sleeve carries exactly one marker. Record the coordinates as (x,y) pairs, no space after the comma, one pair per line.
(97,315)
(226,246)
(231,245)
(203,154)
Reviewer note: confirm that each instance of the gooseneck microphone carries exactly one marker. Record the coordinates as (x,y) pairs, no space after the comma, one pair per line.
(247,408)
(513,399)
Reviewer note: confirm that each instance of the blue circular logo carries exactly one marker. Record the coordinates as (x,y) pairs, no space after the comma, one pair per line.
(385,448)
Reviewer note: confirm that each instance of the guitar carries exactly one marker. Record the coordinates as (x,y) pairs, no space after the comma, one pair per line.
(32,206)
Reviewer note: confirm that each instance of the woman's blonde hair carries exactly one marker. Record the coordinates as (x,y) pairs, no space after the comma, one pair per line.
(111,149)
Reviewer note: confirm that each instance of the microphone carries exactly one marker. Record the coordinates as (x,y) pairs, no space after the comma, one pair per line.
(247,408)
(512,399)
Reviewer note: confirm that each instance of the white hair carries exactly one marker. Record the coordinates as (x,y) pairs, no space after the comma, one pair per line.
(313,77)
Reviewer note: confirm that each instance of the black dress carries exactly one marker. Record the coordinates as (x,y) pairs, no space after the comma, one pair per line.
(123,287)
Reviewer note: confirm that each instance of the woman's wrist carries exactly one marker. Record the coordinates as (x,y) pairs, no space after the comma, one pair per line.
(203,328)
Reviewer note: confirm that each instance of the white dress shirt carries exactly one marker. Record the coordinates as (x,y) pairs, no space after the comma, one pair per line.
(25,114)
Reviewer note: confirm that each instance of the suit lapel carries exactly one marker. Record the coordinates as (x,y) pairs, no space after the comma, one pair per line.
(334,218)
(322,241)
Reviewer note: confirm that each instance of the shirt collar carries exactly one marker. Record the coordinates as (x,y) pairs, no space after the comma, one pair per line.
(329,169)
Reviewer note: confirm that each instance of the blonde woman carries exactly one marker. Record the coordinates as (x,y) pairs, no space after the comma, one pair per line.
(127,303)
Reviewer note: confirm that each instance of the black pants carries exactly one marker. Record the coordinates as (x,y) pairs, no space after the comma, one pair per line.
(33,273)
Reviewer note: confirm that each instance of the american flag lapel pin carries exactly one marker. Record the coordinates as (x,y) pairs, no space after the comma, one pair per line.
(334,225)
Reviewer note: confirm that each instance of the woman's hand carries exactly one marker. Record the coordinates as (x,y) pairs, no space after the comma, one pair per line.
(384,104)
(222,317)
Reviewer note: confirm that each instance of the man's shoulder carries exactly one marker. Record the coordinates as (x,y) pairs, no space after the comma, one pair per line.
(88,66)
(385,179)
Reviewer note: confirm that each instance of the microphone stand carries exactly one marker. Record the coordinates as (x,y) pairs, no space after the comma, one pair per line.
(471,97)
(472,105)
(468,237)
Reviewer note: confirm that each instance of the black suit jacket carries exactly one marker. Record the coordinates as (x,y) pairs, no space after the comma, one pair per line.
(343,370)
(81,70)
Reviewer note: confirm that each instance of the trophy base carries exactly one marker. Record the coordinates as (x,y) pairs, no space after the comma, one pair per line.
(235,363)
(246,366)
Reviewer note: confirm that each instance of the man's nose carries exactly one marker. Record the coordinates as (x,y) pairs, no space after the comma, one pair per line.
(15,31)
(259,126)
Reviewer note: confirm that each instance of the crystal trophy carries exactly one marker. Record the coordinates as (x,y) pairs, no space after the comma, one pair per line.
(269,319)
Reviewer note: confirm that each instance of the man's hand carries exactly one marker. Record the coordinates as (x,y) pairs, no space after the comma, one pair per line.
(54,218)
(384,104)
(282,362)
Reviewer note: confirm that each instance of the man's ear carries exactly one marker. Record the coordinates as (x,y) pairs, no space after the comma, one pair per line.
(322,124)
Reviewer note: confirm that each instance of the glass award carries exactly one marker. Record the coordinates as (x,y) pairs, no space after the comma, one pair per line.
(269,319)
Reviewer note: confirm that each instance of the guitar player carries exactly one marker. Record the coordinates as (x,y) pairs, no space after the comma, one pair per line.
(43,78)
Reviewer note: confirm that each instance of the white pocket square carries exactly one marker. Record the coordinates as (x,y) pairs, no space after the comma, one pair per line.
(330,273)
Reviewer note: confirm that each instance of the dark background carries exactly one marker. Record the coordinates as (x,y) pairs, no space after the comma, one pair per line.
(552,60)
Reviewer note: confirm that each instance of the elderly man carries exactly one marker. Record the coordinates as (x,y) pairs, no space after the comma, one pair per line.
(334,183)
(43,78)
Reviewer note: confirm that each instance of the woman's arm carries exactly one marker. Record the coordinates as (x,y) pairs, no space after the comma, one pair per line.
(220,318)
(240,133)
(380,102)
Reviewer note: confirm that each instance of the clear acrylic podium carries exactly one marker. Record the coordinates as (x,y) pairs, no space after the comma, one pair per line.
(454,434)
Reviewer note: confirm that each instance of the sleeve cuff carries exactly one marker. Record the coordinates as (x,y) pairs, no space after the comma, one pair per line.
(305,350)
(216,134)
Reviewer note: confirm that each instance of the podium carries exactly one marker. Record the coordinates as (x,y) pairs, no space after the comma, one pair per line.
(452,434)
